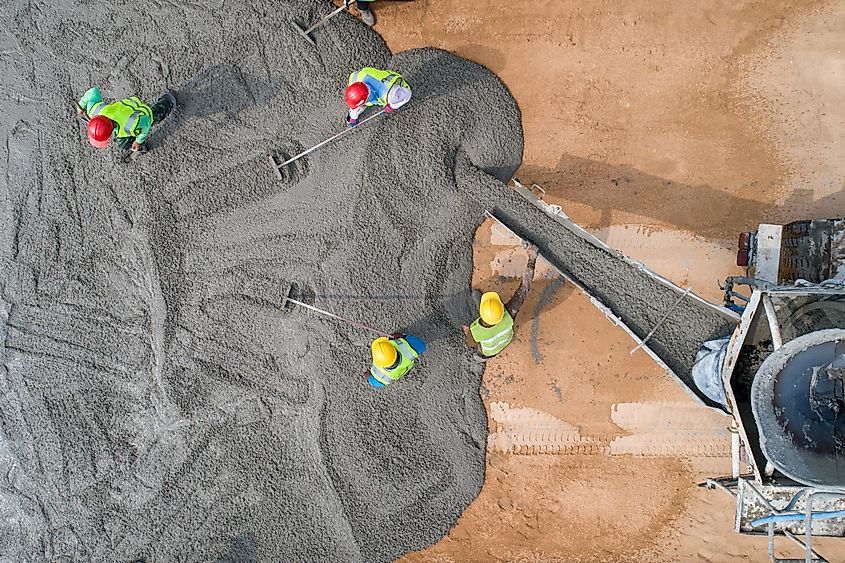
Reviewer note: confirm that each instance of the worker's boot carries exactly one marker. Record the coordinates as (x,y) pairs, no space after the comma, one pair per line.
(479,358)
(367,15)
(163,106)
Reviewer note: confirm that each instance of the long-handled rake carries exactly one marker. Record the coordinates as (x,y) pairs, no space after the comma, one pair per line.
(287,300)
(278,167)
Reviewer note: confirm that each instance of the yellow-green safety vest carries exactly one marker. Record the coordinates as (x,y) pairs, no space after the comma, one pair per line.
(493,339)
(386,77)
(407,355)
(128,114)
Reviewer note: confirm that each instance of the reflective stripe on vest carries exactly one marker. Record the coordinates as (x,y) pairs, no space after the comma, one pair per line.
(97,108)
(493,339)
(407,354)
(139,109)
(494,344)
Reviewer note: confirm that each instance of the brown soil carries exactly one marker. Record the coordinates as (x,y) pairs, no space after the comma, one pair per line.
(665,128)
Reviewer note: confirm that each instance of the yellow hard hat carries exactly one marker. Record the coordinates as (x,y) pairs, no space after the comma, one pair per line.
(491,308)
(384,353)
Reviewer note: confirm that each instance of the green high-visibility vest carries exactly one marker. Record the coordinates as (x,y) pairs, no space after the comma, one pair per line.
(133,117)
(493,339)
(407,354)
(385,77)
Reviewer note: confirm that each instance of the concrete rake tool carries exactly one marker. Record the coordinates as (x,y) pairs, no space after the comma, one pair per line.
(288,299)
(278,167)
(306,32)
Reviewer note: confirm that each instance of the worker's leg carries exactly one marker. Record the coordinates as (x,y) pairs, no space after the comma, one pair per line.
(515,304)
(354,114)
(163,106)
(366,13)
(374,382)
(125,143)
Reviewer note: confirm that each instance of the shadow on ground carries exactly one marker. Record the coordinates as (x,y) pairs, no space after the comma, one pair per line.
(702,209)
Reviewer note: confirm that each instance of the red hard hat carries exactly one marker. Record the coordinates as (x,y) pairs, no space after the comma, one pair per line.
(100,129)
(356,94)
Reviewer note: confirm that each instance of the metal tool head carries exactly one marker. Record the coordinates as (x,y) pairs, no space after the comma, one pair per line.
(287,305)
(285,170)
(304,33)
(277,168)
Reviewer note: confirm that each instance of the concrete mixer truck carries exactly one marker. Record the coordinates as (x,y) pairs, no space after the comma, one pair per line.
(772,356)
(781,376)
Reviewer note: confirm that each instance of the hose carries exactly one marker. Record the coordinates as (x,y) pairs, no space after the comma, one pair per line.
(794,516)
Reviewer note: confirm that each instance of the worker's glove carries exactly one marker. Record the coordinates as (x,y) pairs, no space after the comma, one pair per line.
(388,109)
(136,147)
(351,122)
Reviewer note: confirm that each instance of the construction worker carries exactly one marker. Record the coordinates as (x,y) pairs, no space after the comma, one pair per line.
(130,119)
(393,357)
(373,87)
(493,330)
(366,13)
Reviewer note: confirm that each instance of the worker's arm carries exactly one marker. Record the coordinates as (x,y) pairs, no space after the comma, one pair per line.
(91,97)
(354,114)
(144,124)
(470,341)
(515,304)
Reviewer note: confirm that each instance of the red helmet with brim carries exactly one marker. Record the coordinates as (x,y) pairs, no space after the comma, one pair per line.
(100,129)
(356,95)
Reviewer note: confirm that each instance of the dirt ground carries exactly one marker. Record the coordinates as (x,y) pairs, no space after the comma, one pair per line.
(665,128)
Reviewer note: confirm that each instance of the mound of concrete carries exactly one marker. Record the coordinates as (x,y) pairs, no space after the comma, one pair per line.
(155,401)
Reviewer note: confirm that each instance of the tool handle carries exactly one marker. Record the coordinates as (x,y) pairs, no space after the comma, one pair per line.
(329,140)
(338,317)
(324,18)
(663,320)
(82,116)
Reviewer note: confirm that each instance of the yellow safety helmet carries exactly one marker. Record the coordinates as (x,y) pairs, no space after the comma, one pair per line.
(491,309)
(384,353)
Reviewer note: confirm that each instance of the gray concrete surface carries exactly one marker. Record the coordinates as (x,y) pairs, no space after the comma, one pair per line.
(154,403)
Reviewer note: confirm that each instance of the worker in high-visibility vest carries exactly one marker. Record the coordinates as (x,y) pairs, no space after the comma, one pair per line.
(493,330)
(373,87)
(129,120)
(393,357)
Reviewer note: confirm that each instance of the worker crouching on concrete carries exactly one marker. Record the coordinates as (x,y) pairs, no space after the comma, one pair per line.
(493,330)
(393,357)
(129,120)
(373,87)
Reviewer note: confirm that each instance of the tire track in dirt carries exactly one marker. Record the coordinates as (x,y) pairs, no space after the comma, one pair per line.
(659,429)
